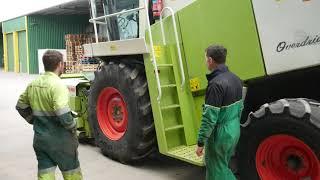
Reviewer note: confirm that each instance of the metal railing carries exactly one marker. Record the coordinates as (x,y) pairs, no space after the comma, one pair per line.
(115,14)
(105,20)
(95,21)
(183,78)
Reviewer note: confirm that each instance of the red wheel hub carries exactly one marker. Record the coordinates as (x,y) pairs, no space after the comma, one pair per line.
(286,157)
(112,113)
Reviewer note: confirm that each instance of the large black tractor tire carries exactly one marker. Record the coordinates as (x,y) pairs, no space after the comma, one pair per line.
(288,129)
(138,140)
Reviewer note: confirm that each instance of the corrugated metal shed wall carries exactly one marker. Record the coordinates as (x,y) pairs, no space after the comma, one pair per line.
(47,32)
(22,45)
(10,28)
(10,51)
(1,50)
(17,24)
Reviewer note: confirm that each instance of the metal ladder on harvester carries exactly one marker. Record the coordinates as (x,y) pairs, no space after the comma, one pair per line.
(175,111)
(176,129)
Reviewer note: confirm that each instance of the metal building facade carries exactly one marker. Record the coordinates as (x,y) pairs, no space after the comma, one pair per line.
(23,36)
(1,50)
(14,30)
(47,32)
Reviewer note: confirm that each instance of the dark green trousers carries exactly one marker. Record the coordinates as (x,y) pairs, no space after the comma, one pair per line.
(57,149)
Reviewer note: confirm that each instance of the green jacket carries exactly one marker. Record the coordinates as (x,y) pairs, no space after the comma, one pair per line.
(220,126)
(44,104)
(223,104)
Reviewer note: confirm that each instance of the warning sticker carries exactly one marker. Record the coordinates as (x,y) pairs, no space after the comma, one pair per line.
(157,51)
(113,47)
(194,84)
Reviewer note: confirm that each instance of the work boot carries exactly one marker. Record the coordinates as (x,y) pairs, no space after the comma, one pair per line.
(72,174)
(47,174)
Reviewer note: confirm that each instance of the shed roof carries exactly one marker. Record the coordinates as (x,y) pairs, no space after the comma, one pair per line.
(69,8)
(73,7)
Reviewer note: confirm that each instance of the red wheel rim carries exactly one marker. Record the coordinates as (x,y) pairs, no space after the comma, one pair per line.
(286,157)
(112,113)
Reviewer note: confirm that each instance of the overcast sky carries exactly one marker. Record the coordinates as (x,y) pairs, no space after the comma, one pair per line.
(14,8)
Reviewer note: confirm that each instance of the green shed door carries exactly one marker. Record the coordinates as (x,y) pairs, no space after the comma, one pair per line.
(10,52)
(23,52)
(1,51)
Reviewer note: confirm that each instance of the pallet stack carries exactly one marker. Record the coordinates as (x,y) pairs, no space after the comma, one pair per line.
(75,54)
(79,53)
(71,67)
(85,64)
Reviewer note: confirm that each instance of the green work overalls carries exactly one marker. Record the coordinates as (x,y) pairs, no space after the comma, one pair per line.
(45,105)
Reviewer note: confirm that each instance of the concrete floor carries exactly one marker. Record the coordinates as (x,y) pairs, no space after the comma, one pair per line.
(18,162)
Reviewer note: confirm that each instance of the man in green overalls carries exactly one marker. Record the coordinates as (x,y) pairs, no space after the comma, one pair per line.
(220,126)
(45,105)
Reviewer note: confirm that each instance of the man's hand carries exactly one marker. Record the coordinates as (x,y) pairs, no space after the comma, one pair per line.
(199,151)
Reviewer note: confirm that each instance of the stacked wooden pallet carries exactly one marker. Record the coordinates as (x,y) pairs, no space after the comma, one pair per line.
(71,67)
(88,67)
(72,41)
(79,53)
(75,54)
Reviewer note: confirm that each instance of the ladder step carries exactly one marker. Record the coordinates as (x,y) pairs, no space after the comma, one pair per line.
(165,65)
(169,86)
(174,127)
(170,106)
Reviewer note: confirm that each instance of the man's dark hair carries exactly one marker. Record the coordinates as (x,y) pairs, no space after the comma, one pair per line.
(218,53)
(51,60)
